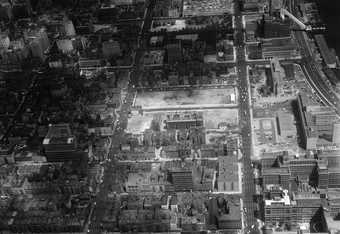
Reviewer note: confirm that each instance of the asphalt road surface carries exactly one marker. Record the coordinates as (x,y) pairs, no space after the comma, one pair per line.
(109,180)
(248,177)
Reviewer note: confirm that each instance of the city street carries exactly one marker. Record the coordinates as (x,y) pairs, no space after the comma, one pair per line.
(109,180)
(248,180)
(245,119)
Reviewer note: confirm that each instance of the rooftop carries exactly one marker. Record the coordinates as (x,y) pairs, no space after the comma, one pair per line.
(285,200)
(278,170)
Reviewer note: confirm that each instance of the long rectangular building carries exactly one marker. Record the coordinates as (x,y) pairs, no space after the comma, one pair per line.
(281,48)
(326,54)
(317,122)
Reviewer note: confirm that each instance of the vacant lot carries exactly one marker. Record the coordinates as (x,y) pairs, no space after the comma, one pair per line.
(182,99)
(137,124)
(220,118)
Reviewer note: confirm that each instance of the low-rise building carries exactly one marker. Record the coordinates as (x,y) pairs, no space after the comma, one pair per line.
(286,125)
(228,174)
(205,7)
(184,120)
(145,182)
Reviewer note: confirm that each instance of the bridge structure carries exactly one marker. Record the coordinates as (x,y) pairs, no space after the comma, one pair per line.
(284,12)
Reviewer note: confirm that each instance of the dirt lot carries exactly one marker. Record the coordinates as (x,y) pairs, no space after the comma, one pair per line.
(181,99)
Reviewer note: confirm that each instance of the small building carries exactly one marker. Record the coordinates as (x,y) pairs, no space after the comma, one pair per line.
(286,125)
(277,75)
(228,174)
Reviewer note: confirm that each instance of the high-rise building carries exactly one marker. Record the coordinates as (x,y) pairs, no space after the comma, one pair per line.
(333,197)
(332,157)
(322,175)
(60,144)
(278,74)
(327,55)
(65,45)
(111,48)
(38,41)
(332,160)
(302,207)
(69,28)
(308,203)
(182,179)
(174,52)
(276,176)
(21,8)
(336,133)
(279,209)
(333,177)
(232,220)
(272,159)
(317,122)
(272,30)
(4,41)
(5,10)
(302,168)
(324,120)
(275,5)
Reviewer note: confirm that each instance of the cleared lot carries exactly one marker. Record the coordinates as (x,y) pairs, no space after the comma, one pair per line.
(182,99)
